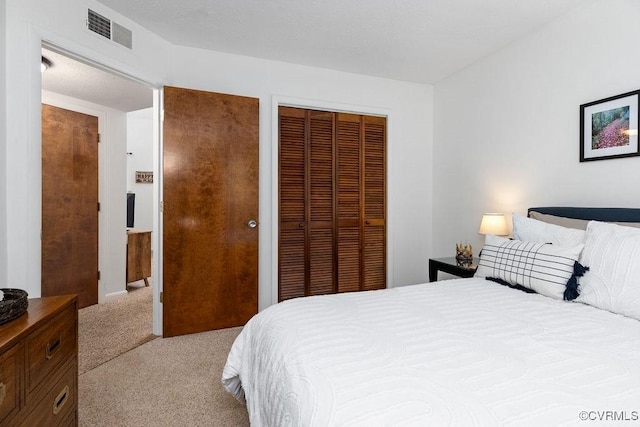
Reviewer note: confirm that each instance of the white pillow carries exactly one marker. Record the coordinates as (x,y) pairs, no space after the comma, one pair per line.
(612,283)
(541,267)
(532,230)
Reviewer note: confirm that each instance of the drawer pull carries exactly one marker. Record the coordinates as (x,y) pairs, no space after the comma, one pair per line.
(59,402)
(51,348)
(3,392)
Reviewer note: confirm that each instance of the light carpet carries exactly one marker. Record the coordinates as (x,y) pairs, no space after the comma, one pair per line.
(165,382)
(108,330)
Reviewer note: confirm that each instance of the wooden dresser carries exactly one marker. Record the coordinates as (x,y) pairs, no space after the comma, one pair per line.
(138,255)
(39,364)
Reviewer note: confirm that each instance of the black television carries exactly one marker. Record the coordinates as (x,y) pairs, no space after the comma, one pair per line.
(131,207)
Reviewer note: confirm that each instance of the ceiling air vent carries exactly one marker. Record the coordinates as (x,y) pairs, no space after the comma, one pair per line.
(99,24)
(110,30)
(121,35)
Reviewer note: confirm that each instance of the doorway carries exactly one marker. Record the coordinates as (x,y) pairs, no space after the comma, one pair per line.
(76,86)
(73,85)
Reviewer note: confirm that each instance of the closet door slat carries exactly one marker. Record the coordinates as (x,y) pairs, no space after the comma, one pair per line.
(374,227)
(321,262)
(321,203)
(292,260)
(348,153)
(374,169)
(292,264)
(349,277)
(374,254)
(349,200)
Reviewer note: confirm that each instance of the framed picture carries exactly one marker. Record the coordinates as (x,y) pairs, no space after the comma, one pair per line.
(609,128)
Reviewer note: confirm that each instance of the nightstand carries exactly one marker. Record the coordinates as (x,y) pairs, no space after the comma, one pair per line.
(452,266)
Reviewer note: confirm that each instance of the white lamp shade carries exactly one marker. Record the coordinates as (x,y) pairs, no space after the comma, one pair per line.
(494,223)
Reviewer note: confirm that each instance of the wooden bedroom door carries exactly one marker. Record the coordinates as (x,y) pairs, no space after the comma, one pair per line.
(210,210)
(69,259)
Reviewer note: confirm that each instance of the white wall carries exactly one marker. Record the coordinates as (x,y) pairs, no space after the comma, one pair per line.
(111,193)
(409,107)
(140,147)
(3,145)
(507,128)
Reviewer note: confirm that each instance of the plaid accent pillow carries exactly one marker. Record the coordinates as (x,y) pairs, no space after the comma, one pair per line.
(541,267)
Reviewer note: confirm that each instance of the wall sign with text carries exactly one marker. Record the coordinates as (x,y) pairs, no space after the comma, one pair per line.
(144,177)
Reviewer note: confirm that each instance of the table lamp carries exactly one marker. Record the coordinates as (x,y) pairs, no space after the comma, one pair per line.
(494,223)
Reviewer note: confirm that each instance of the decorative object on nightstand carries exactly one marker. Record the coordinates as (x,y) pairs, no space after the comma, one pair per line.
(464,264)
(452,266)
(494,223)
(468,264)
(464,252)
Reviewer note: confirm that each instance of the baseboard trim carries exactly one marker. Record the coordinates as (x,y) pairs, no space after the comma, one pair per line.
(115,295)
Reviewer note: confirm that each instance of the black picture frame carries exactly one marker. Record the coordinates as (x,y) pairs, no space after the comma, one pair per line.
(609,127)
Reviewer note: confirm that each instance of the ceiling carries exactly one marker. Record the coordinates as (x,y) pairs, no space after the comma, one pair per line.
(69,77)
(414,40)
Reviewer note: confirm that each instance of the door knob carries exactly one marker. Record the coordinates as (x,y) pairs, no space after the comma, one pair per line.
(252,223)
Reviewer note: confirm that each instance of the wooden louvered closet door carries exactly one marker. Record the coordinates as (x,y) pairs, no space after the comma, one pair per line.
(349,176)
(292,234)
(373,229)
(331,202)
(319,204)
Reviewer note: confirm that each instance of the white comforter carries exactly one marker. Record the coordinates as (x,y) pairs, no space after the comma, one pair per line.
(460,352)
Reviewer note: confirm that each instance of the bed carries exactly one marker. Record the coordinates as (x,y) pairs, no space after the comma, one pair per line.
(456,352)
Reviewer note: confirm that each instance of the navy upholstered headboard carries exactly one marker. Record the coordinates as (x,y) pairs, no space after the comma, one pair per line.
(597,214)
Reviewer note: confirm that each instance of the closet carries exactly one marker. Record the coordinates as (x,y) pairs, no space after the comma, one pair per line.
(332,230)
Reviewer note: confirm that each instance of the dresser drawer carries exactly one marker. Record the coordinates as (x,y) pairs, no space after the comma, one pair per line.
(39,364)
(47,349)
(57,404)
(71,421)
(10,369)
